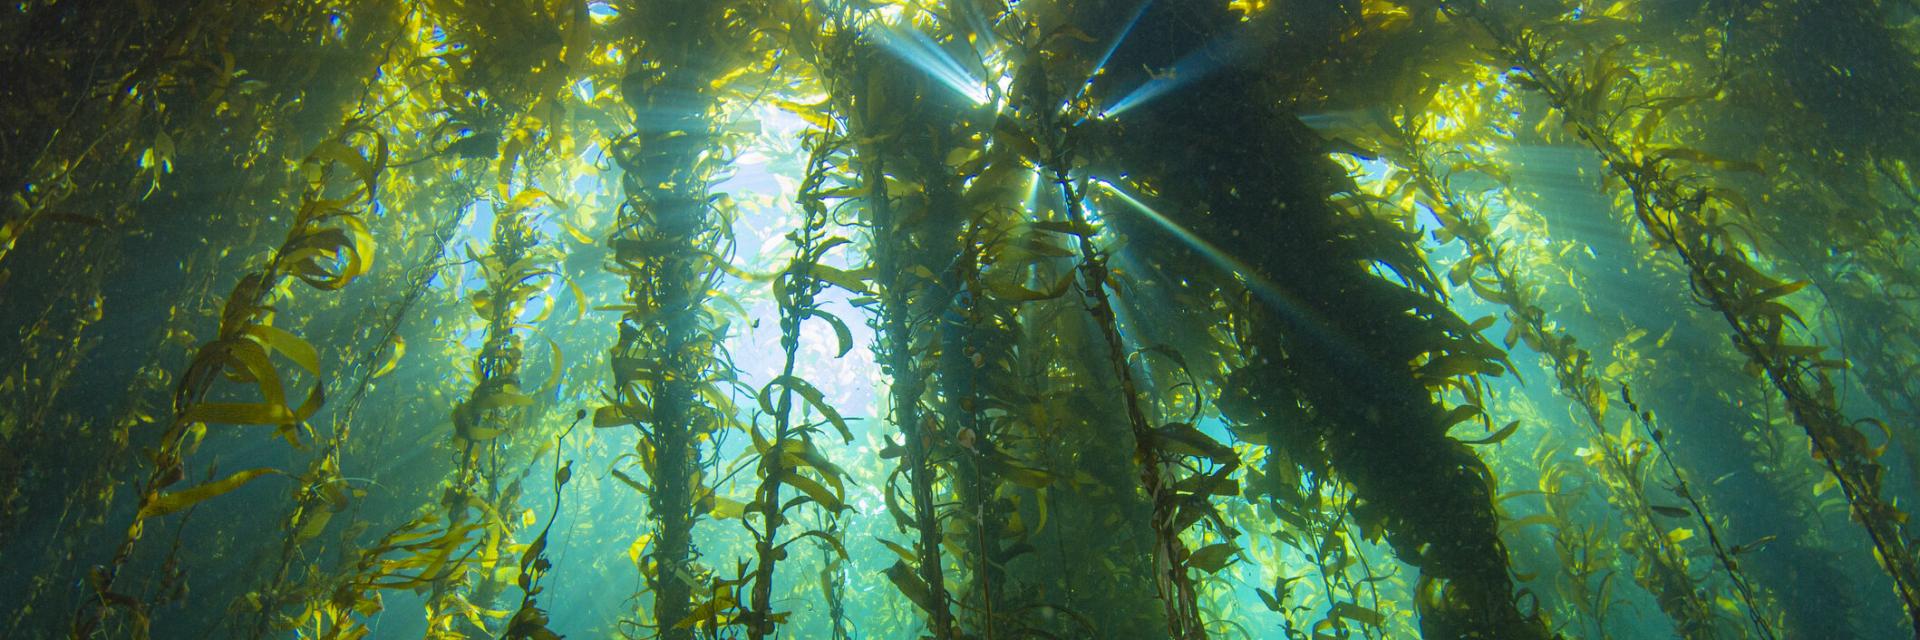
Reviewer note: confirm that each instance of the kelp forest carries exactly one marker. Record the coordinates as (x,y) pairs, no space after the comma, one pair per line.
(959,320)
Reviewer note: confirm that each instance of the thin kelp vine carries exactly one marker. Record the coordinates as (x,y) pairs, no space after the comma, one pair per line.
(782,455)
(324,491)
(1049,139)
(529,621)
(878,110)
(487,424)
(958,319)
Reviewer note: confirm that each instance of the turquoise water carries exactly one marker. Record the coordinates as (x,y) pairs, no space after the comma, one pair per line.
(962,320)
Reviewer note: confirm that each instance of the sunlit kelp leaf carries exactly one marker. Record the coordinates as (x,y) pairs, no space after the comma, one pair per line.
(164,503)
(841,333)
(854,281)
(554,368)
(799,452)
(831,541)
(296,349)
(818,492)
(709,611)
(396,351)
(638,548)
(906,555)
(813,397)
(328,258)
(910,585)
(1214,557)
(529,198)
(615,416)
(501,396)
(724,508)
(575,233)
(816,115)
(251,364)
(1498,436)
(356,162)
(1357,613)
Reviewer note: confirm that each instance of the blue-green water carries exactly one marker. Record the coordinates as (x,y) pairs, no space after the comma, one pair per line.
(964,320)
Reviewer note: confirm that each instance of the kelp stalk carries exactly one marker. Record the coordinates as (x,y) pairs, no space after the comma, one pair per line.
(890,241)
(667,242)
(1176,586)
(797,290)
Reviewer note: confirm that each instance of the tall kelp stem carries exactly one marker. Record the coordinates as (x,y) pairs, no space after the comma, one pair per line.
(670,239)
(974,333)
(1683,489)
(1838,143)
(505,118)
(1052,141)
(1176,586)
(1492,275)
(327,247)
(1677,211)
(323,490)
(1351,366)
(516,269)
(874,100)
(791,448)
(956,196)
(891,242)
(1588,551)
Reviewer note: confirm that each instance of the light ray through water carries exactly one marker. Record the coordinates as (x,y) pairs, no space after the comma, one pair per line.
(915,48)
(1115,45)
(1199,63)
(1266,289)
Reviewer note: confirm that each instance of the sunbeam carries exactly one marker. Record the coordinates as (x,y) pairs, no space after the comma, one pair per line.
(843,319)
(1266,289)
(1118,38)
(923,53)
(1197,64)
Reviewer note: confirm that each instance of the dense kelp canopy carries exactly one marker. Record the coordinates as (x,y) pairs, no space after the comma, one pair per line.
(977,320)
